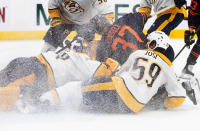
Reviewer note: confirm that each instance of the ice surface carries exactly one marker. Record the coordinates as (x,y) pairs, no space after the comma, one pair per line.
(185,118)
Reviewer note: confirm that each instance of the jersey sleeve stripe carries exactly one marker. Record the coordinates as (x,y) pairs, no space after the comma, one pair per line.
(98,87)
(51,80)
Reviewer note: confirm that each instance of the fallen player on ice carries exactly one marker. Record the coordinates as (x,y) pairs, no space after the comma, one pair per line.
(29,83)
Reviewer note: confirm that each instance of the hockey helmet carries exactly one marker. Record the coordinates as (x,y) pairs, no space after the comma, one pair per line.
(158,39)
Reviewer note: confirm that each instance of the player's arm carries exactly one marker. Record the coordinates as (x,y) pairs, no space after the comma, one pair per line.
(55,34)
(101,24)
(189,34)
(54,12)
(97,25)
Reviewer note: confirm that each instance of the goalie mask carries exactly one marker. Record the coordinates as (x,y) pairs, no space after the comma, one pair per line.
(158,39)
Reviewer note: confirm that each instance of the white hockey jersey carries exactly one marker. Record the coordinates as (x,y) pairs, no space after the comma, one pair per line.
(80,11)
(77,67)
(145,71)
(156,4)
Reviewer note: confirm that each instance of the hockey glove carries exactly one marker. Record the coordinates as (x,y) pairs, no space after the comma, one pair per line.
(179,3)
(76,44)
(189,37)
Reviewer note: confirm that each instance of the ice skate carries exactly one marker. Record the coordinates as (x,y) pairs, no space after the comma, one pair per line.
(187,72)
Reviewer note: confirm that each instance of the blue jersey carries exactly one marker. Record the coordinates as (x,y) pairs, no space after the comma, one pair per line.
(122,38)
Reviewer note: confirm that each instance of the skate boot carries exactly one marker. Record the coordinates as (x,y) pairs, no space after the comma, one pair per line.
(187,71)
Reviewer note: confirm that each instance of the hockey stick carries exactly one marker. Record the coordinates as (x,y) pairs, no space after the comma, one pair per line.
(180,51)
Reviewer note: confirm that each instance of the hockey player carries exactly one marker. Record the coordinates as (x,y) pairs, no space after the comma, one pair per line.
(25,80)
(87,17)
(194,24)
(122,38)
(137,81)
(167,20)
(50,70)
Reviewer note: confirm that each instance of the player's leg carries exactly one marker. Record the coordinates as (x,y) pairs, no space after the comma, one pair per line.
(109,94)
(23,78)
(157,23)
(166,23)
(192,59)
(173,23)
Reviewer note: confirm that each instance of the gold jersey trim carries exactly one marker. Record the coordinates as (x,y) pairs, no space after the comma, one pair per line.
(164,58)
(99,87)
(51,80)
